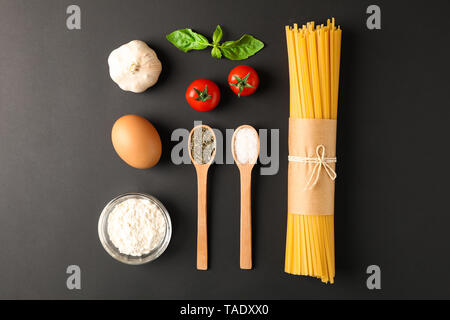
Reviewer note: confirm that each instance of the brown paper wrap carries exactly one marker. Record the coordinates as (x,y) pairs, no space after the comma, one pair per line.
(304,137)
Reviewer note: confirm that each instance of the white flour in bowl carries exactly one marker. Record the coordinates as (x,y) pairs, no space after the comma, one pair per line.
(136,226)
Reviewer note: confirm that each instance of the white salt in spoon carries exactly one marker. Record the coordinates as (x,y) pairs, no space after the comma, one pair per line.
(202,177)
(245,170)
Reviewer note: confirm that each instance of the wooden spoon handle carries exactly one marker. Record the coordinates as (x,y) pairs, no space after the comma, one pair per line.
(246,220)
(202,234)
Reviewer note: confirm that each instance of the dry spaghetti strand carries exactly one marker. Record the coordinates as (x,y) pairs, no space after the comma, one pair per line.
(314,53)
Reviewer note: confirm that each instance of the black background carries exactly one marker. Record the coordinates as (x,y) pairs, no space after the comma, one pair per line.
(58,168)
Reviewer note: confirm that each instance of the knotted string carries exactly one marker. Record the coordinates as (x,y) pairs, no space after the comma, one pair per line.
(320,162)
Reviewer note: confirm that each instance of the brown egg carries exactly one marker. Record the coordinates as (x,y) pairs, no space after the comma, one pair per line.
(136,141)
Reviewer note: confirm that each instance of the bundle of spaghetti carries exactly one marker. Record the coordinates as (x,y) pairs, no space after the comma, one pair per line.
(314,59)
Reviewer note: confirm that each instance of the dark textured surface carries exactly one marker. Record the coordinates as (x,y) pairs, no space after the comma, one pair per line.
(58,168)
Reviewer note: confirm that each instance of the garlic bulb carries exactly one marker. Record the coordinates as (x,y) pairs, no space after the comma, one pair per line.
(134,66)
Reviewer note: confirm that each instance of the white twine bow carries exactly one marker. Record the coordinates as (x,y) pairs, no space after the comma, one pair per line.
(320,162)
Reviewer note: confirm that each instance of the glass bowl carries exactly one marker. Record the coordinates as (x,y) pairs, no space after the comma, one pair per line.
(113,250)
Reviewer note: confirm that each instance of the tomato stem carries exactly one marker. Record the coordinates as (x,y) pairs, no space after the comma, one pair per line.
(202,95)
(241,83)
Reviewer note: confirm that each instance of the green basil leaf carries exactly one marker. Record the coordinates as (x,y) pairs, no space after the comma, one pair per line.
(217,36)
(215,52)
(241,49)
(186,40)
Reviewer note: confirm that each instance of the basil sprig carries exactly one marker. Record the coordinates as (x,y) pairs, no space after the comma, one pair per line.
(187,40)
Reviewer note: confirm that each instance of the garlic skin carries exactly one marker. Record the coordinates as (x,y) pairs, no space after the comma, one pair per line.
(134,66)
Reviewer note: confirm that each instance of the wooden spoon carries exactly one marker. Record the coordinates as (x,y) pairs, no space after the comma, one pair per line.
(202,177)
(245,170)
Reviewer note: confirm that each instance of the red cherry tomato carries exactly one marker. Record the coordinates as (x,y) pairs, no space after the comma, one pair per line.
(243,80)
(203,95)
